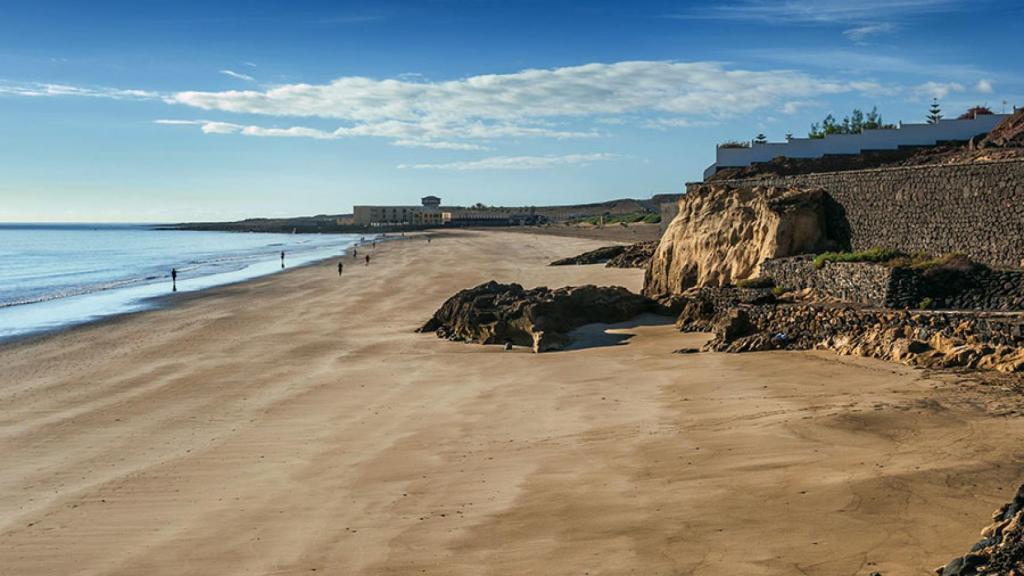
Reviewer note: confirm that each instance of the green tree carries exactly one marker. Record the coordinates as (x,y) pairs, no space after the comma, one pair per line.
(855,123)
(934,112)
(761,139)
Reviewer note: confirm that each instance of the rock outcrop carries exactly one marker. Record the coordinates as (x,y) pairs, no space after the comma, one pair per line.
(742,321)
(621,256)
(634,256)
(1000,552)
(540,318)
(598,256)
(722,234)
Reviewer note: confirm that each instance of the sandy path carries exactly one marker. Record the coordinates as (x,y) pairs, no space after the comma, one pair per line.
(296,423)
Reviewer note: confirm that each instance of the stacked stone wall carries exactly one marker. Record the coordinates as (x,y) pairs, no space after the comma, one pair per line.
(976,209)
(979,288)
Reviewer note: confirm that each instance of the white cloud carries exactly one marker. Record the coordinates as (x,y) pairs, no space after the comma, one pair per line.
(38,89)
(216,127)
(859,33)
(937,89)
(238,75)
(529,103)
(984,86)
(795,106)
(438,145)
(666,123)
(514,162)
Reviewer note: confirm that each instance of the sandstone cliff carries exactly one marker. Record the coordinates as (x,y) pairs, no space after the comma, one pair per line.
(722,234)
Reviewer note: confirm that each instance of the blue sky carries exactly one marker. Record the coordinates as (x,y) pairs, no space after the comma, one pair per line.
(176,110)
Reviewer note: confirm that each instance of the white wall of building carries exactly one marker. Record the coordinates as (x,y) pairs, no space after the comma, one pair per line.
(882,139)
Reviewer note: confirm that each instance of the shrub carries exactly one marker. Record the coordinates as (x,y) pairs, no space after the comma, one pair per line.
(953,262)
(734,144)
(779,290)
(759,282)
(880,255)
(925,303)
(652,219)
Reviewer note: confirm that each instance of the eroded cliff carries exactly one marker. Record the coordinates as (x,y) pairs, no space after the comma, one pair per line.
(722,234)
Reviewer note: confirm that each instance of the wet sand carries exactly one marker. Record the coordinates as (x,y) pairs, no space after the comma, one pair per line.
(296,423)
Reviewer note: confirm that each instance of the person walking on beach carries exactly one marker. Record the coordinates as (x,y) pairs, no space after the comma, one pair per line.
(341,267)
(355,253)
(367,259)
(174,279)
(282,258)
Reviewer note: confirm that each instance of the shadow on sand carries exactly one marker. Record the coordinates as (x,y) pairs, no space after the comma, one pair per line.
(602,335)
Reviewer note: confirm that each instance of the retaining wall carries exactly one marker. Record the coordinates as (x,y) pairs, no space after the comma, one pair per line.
(976,209)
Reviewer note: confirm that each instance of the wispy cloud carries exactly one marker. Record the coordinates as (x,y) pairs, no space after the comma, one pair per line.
(862,32)
(811,11)
(218,127)
(514,162)
(238,75)
(984,86)
(850,62)
(38,89)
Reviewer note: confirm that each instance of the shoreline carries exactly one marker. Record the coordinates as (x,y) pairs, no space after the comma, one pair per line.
(156,303)
(295,422)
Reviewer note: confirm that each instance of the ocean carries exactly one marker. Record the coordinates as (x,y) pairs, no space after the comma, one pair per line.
(58,275)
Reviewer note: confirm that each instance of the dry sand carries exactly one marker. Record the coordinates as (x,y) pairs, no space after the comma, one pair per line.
(296,423)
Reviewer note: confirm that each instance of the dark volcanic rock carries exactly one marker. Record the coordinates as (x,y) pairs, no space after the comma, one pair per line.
(541,318)
(1000,552)
(599,256)
(634,256)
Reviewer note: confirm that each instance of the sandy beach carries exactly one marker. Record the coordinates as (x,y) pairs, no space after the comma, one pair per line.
(296,424)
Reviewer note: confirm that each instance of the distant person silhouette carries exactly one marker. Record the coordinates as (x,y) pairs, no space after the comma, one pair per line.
(367,259)
(374,243)
(174,280)
(341,267)
(428,239)
(282,259)
(355,253)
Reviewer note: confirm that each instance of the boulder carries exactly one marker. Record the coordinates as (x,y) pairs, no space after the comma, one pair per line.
(722,234)
(540,318)
(1000,552)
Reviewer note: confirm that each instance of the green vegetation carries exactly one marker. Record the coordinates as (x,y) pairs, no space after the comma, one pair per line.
(880,255)
(759,282)
(925,303)
(951,262)
(855,123)
(779,290)
(761,138)
(734,144)
(630,218)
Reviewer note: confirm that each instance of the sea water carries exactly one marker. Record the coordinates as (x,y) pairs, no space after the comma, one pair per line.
(57,275)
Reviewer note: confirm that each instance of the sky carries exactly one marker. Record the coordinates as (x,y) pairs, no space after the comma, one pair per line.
(169,111)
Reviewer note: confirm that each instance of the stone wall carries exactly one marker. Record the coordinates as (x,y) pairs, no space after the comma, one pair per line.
(856,282)
(976,288)
(977,209)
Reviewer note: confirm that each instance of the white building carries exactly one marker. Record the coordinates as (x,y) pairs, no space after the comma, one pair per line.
(838,144)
